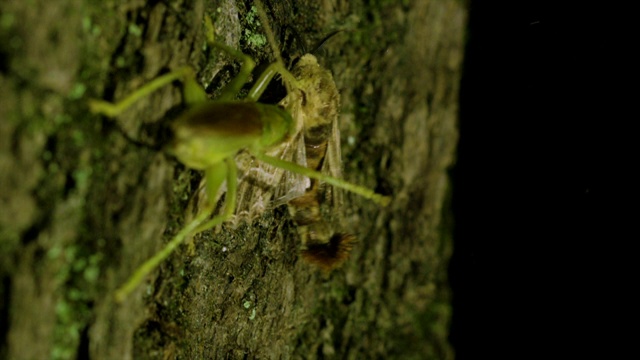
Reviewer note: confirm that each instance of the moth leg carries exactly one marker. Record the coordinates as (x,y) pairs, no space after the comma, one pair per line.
(215,176)
(192,91)
(360,190)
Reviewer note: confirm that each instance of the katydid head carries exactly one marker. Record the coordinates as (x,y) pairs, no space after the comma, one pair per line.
(277,125)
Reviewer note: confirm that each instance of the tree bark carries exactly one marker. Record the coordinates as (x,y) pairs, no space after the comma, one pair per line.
(85,200)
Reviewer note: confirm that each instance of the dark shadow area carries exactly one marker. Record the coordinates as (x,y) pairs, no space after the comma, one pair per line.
(531,203)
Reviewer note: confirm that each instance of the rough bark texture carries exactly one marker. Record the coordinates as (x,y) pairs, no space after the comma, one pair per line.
(82,205)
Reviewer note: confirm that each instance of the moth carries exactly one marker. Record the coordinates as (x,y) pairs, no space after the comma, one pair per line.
(317,104)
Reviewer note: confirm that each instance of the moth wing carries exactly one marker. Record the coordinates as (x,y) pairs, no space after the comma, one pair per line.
(332,166)
(255,187)
(262,186)
(292,185)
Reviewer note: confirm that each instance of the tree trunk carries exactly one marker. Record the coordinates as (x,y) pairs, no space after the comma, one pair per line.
(85,200)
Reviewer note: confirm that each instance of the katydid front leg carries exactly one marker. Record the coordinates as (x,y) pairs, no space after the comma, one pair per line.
(193,93)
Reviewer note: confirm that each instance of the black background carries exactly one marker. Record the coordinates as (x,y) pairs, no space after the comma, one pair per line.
(539,242)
